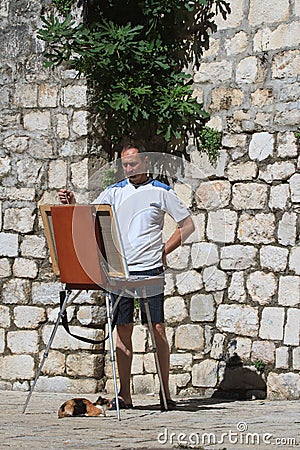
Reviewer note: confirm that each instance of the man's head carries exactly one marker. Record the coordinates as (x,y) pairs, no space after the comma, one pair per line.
(134,163)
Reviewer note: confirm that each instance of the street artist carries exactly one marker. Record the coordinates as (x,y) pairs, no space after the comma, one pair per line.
(141,203)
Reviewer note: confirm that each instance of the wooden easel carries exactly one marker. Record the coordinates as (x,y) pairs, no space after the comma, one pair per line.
(86,252)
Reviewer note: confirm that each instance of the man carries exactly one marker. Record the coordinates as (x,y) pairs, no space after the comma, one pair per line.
(141,203)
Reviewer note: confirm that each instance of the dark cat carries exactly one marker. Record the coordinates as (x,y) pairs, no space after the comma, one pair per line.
(83,407)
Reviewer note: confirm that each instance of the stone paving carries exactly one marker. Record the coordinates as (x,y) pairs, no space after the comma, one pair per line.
(198,423)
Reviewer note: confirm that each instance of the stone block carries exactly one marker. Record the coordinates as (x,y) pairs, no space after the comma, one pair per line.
(79,124)
(286,65)
(74,95)
(29,316)
(16,144)
(47,96)
(179,258)
(294,262)
(287,118)
(74,148)
(84,365)
(16,291)
(5,269)
(199,233)
(184,192)
(4,316)
(217,348)
(92,315)
(2,342)
(79,174)
(262,287)
(5,166)
(20,220)
(262,97)
(272,322)
(238,319)
(45,293)
(25,95)
(34,246)
(289,290)
(247,70)
(30,172)
(213,72)
(204,254)
(292,327)
(179,380)
(189,337)
(149,362)
(137,366)
(295,188)
(169,284)
(282,358)
(213,194)
(261,146)
(205,374)
(287,145)
(234,20)
(201,168)
(238,257)
(65,384)
(202,308)
(242,171)
(20,342)
(283,386)
(268,12)
(175,310)
(236,290)
(258,229)
(279,196)
(62,126)
(57,174)
(38,120)
(296,358)
(237,44)
(287,229)
(17,367)
(280,170)
(181,361)
(25,268)
(284,36)
(214,279)
(64,341)
(224,98)
(9,245)
(263,351)
(221,225)
(53,313)
(189,281)
(249,196)
(143,384)
(273,258)
(243,347)
(139,337)
(54,364)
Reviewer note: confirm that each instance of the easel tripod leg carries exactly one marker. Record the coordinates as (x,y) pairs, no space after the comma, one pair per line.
(46,352)
(150,326)
(112,352)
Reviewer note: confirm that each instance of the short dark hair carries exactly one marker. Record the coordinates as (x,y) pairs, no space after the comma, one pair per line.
(133,144)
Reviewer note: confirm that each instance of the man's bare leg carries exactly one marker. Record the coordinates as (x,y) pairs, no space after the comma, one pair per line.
(124,359)
(163,352)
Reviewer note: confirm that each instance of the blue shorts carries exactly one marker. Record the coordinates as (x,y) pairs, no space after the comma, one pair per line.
(155,295)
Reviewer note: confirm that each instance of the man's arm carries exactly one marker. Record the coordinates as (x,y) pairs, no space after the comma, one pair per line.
(185,228)
(66,197)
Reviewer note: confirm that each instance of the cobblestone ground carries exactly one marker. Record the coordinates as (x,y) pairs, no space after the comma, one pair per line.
(198,423)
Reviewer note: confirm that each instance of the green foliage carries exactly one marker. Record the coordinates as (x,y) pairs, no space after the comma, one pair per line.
(297,135)
(64,6)
(259,365)
(210,142)
(108,178)
(133,55)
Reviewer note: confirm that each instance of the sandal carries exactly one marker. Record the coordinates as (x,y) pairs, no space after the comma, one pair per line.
(122,404)
(171,404)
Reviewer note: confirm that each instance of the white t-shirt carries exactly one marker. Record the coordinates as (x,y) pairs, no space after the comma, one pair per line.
(140,213)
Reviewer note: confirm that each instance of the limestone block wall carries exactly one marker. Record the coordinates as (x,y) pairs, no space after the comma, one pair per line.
(233,290)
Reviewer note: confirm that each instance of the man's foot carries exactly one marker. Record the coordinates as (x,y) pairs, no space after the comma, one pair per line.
(171,404)
(122,404)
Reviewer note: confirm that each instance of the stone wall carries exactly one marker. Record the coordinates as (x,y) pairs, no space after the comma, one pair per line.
(232,291)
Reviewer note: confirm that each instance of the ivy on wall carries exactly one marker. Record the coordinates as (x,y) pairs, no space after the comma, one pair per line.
(137,57)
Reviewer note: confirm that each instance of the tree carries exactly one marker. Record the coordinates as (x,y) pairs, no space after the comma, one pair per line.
(137,57)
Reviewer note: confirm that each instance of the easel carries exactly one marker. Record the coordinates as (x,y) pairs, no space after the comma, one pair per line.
(86,252)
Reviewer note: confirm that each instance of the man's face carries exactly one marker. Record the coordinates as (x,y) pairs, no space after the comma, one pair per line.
(135,165)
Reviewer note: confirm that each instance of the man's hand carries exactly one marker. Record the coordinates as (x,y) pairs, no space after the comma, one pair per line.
(66,197)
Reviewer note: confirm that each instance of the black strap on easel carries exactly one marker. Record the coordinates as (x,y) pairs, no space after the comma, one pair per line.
(65,324)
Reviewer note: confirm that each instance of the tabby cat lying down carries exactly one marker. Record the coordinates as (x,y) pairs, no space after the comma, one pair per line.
(83,407)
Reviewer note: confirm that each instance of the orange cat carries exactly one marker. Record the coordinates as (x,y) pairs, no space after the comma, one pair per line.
(83,407)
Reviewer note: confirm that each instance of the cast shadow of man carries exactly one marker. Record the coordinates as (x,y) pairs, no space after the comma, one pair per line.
(240,383)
